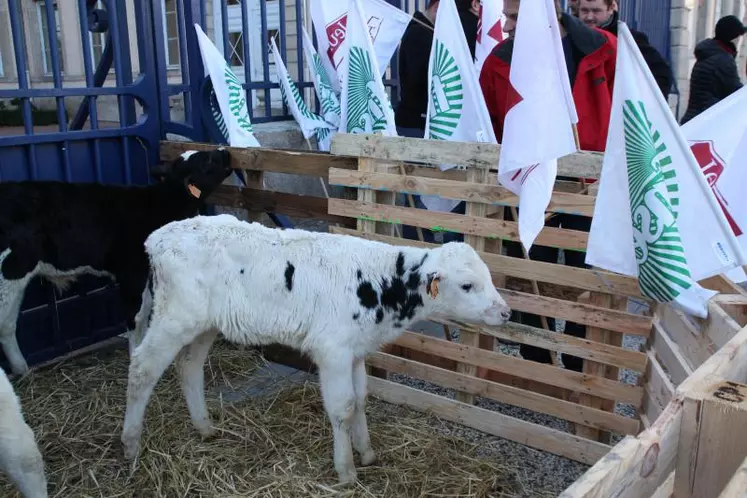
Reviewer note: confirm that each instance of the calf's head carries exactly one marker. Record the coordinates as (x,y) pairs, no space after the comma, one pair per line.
(459,286)
(200,172)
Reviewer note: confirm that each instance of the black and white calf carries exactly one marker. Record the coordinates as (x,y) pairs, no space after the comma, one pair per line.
(337,298)
(63,230)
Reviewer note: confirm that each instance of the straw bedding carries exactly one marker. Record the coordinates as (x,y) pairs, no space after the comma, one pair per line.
(271,445)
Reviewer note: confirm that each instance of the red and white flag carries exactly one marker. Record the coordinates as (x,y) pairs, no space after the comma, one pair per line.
(489,30)
(538,128)
(386,26)
(718,140)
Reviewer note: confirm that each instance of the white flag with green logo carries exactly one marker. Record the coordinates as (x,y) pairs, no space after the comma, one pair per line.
(365,105)
(330,104)
(655,217)
(229,92)
(456,106)
(309,122)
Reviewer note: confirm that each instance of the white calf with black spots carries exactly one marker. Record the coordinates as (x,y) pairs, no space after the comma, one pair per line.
(336,298)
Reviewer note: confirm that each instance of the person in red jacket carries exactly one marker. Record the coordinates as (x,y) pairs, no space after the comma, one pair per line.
(590,56)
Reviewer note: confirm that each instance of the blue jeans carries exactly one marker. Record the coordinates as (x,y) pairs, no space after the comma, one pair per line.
(409,232)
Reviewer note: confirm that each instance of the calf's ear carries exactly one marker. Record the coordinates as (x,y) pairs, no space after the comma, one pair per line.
(160,171)
(432,282)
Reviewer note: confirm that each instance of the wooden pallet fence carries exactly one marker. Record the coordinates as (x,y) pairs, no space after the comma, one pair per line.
(585,399)
(692,447)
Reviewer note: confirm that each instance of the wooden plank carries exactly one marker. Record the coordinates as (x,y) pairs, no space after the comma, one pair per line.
(669,353)
(659,390)
(507,394)
(666,489)
(475,177)
(714,444)
(257,200)
(719,327)
(468,225)
(493,194)
(635,467)
(722,284)
(568,344)
(470,154)
(264,159)
(586,314)
(695,348)
(532,435)
(547,374)
(728,363)
(601,335)
(737,486)
(581,278)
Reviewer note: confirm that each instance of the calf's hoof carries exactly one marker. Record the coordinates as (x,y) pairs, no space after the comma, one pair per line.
(130,447)
(347,477)
(207,431)
(368,457)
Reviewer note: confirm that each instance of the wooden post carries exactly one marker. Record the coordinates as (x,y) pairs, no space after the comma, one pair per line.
(592,368)
(469,338)
(737,487)
(713,442)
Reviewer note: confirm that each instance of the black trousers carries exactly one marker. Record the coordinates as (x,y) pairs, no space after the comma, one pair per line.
(550,255)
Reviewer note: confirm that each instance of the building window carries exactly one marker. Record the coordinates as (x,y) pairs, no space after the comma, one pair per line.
(236,46)
(41,11)
(171,32)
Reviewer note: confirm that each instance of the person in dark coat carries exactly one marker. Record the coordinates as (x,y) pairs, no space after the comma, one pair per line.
(469,15)
(604,15)
(714,76)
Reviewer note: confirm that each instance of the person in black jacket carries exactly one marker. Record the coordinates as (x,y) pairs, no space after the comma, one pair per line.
(714,76)
(469,15)
(414,54)
(604,15)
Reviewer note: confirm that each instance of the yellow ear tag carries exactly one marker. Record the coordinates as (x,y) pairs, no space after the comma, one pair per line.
(433,291)
(195,191)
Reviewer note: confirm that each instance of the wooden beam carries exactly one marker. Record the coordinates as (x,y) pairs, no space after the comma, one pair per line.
(737,487)
(668,352)
(470,154)
(492,194)
(532,435)
(564,343)
(468,225)
(506,394)
(264,159)
(580,278)
(635,467)
(546,374)
(257,200)
(713,442)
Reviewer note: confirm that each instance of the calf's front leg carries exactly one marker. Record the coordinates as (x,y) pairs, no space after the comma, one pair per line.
(361,439)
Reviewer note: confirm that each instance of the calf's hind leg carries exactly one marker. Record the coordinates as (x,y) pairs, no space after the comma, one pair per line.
(191,365)
(361,439)
(163,341)
(338,394)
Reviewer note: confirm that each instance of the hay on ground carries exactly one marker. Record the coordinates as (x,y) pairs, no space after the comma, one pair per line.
(272,445)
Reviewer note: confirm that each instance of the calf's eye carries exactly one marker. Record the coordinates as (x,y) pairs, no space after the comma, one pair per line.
(467,287)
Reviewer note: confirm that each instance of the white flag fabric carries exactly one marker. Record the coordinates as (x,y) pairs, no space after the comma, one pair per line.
(386,25)
(230,95)
(365,105)
(655,217)
(328,101)
(307,120)
(538,128)
(489,30)
(456,106)
(718,140)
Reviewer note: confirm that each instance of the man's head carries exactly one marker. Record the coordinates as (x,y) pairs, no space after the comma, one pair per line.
(511,11)
(469,6)
(729,29)
(431,8)
(596,12)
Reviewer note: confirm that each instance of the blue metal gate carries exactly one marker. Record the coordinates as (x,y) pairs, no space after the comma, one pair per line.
(79,147)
